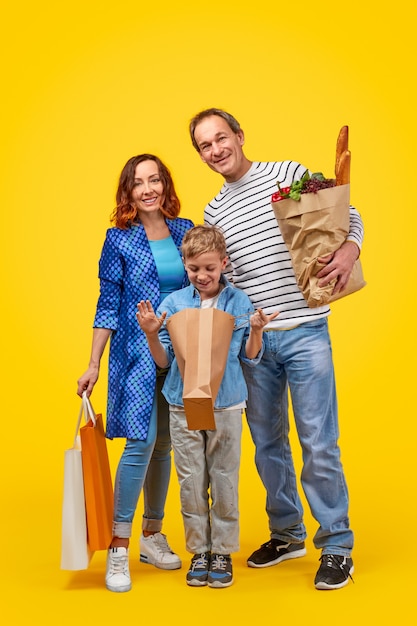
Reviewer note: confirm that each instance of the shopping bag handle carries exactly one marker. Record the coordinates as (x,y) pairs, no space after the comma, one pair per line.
(245,320)
(87,409)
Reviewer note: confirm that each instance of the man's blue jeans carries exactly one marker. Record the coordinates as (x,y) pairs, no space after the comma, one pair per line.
(301,359)
(144,464)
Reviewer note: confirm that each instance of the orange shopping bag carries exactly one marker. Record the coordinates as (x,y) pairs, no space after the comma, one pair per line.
(98,486)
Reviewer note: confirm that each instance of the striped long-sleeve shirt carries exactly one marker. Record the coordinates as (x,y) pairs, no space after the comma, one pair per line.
(260,261)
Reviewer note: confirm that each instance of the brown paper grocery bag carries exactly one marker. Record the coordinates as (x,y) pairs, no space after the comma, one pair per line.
(314,226)
(201,340)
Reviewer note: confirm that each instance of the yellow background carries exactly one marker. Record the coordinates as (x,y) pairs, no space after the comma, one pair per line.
(86,85)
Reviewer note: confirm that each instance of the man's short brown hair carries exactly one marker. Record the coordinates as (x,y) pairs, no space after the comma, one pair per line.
(231,121)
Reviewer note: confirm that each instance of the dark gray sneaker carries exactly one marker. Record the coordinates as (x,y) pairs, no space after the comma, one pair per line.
(274,551)
(221,571)
(199,568)
(334,572)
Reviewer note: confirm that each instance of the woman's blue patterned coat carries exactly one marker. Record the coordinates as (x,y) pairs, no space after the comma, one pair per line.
(128,274)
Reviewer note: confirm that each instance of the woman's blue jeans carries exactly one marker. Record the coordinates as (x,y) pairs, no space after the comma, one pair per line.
(301,359)
(144,464)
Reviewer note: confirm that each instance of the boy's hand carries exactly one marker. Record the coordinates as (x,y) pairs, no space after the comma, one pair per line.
(149,323)
(258,320)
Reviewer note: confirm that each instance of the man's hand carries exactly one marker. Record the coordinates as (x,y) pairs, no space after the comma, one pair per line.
(338,266)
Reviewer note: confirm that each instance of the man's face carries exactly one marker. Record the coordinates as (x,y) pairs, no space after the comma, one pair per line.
(221,148)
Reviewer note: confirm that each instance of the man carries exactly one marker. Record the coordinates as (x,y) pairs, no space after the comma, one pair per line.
(297,355)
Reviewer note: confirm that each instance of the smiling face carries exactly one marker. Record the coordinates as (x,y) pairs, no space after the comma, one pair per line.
(204,272)
(148,193)
(221,148)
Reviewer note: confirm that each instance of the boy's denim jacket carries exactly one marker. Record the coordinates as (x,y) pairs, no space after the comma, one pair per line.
(232,389)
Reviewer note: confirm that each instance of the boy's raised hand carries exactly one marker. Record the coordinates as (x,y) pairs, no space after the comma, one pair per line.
(148,321)
(259,319)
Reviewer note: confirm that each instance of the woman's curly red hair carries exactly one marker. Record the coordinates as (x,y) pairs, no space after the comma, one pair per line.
(125,214)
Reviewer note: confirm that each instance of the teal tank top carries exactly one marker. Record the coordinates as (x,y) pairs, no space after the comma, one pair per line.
(168,264)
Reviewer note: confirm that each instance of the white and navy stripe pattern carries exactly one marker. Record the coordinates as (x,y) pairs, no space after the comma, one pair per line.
(260,261)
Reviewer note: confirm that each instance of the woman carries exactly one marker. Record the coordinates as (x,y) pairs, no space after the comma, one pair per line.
(140,260)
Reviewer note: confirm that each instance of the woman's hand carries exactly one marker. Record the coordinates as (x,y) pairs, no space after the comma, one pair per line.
(87,381)
(148,321)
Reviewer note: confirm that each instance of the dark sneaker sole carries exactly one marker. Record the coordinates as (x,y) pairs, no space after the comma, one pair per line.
(196,583)
(323,586)
(295,554)
(217,584)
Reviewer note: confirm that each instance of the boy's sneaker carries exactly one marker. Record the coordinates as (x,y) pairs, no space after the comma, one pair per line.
(334,572)
(199,568)
(274,551)
(156,551)
(221,571)
(117,570)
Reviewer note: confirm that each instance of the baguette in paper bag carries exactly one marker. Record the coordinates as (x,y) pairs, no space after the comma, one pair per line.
(317,225)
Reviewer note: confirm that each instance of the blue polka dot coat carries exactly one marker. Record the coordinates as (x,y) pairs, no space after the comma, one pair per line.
(128,274)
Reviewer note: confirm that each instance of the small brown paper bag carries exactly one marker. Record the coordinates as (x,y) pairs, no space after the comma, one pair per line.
(201,340)
(314,226)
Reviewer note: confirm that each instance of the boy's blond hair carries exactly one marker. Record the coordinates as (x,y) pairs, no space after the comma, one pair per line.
(203,238)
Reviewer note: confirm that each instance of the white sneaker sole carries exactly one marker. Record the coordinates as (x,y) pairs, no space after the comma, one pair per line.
(150,561)
(119,589)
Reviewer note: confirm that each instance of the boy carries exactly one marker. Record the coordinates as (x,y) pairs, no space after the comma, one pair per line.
(208,459)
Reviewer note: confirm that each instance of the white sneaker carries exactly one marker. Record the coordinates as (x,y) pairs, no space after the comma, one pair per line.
(156,551)
(117,570)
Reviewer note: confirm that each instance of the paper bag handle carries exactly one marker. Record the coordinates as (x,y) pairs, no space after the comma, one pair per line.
(87,409)
(245,318)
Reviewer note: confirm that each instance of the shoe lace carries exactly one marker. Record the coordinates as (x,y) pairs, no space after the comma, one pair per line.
(218,562)
(200,562)
(161,543)
(336,562)
(118,564)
